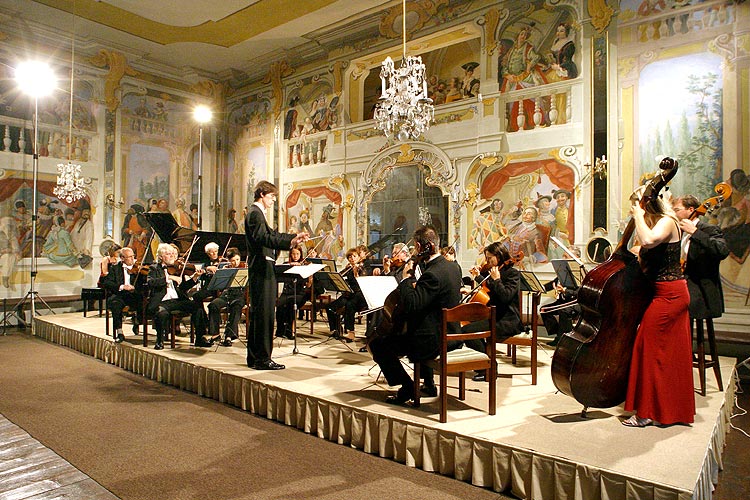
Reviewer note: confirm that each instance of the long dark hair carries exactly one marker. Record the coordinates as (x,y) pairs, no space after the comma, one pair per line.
(498,250)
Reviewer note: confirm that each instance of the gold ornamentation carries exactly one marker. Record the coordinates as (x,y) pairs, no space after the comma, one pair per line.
(488,161)
(215,91)
(491,20)
(277,71)
(601,14)
(406,155)
(118,67)
(338,76)
(472,194)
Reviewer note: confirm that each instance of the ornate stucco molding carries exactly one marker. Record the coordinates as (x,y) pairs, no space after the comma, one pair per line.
(118,67)
(601,14)
(277,71)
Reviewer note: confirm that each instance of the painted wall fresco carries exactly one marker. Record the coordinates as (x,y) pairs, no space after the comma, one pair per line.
(64,233)
(523,205)
(317,210)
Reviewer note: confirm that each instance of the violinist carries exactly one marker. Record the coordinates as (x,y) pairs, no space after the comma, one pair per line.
(348,303)
(168,285)
(112,257)
(261,242)
(120,283)
(231,298)
(392,266)
(208,269)
(501,282)
(422,300)
(703,249)
(292,294)
(660,383)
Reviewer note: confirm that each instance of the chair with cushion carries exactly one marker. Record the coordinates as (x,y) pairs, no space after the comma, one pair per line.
(465,359)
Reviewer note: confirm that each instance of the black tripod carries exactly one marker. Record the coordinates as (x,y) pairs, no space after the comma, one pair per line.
(295,350)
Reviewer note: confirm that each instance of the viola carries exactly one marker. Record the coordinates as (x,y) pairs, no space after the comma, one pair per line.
(180,267)
(592,363)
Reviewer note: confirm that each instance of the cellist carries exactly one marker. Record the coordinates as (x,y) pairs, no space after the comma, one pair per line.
(501,282)
(660,383)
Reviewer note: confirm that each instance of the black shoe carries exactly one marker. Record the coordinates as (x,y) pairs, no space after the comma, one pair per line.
(159,345)
(363,348)
(203,342)
(480,376)
(429,390)
(227,342)
(135,329)
(232,336)
(268,365)
(119,338)
(404,395)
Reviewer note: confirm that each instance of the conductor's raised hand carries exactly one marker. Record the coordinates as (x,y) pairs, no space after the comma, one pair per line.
(300,238)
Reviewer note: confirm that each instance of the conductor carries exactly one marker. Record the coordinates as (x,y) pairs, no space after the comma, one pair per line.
(261,242)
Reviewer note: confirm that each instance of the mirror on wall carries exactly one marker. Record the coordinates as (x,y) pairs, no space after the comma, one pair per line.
(405,204)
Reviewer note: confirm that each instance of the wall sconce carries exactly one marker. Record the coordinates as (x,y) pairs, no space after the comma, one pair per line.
(599,169)
(214,206)
(109,201)
(349,203)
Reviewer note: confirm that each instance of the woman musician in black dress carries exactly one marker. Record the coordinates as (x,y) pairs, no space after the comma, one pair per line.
(348,304)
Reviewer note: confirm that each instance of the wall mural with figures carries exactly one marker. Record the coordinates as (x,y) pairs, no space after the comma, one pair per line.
(687,122)
(317,210)
(523,205)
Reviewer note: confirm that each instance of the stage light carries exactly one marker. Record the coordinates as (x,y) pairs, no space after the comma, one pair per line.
(35,78)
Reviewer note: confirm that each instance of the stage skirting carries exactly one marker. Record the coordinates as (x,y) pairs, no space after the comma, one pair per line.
(536,459)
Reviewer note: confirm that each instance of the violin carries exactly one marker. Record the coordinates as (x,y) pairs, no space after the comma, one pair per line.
(180,267)
(138,269)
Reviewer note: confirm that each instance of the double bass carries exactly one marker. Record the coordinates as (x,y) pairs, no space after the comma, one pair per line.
(592,363)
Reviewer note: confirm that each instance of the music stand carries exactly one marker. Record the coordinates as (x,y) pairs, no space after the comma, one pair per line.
(569,273)
(530,283)
(329,265)
(294,273)
(333,282)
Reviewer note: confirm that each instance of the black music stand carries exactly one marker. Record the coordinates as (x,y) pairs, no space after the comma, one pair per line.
(530,283)
(288,273)
(569,273)
(329,265)
(333,282)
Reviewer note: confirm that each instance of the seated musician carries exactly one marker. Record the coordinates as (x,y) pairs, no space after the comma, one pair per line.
(422,301)
(558,316)
(292,295)
(208,269)
(233,299)
(392,266)
(120,283)
(501,282)
(112,257)
(168,294)
(348,303)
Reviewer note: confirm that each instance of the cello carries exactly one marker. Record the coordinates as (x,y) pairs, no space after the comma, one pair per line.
(592,363)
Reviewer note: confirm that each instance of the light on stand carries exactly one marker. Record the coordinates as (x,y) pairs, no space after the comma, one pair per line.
(201,114)
(36,79)
(404,108)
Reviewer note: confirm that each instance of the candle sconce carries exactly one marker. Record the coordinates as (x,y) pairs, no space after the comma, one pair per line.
(109,201)
(599,170)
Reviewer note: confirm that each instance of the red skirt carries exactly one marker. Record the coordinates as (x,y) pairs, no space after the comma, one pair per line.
(660,386)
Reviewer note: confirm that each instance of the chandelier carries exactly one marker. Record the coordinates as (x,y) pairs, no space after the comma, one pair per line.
(404,110)
(69,182)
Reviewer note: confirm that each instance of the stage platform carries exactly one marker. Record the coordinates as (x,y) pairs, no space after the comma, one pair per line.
(537,446)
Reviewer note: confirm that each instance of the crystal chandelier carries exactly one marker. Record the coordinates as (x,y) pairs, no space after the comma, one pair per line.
(404,110)
(69,182)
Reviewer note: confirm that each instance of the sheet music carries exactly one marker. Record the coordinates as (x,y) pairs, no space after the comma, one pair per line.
(567,252)
(530,283)
(568,273)
(240,279)
(305,271)
(376,288)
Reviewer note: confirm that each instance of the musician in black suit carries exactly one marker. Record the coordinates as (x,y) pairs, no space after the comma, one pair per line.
(422,300)
(169,293)
(233,299)
(122,291)
(261,243)
(705,247)
(208,267)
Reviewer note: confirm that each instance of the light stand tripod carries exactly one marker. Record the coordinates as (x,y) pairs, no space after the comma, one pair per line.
(35,79)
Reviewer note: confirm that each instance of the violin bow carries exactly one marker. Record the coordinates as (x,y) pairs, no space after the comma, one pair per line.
(229,241)
(568,252)
(187,257)
(322,238)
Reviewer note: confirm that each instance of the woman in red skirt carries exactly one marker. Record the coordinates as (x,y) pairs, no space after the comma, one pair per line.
(660,386)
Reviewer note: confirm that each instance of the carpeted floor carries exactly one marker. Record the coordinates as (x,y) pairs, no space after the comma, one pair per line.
(144,440)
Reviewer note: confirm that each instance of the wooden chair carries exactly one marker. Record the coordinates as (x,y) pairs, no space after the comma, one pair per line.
(313,306)
(463,360)
(524,339)
(699,357)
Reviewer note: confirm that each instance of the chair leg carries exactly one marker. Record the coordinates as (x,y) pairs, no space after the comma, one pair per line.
(443,396)
(714,354)
(461,386)
(106,321)
(699,336)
